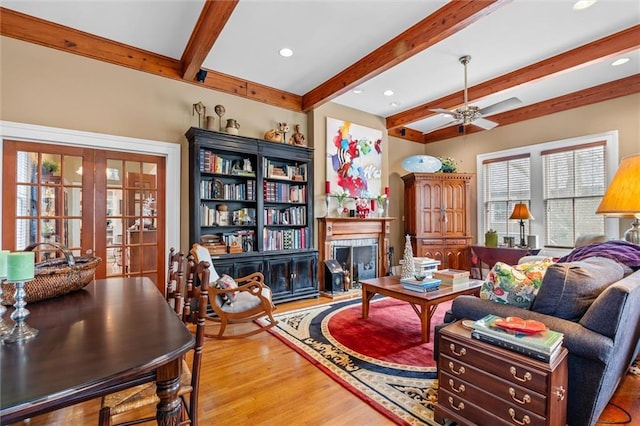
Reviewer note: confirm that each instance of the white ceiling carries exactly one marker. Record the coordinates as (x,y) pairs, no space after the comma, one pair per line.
(328,36)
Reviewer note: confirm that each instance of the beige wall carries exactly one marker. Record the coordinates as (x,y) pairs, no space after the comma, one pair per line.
(52,88)
(394,151)
(621,114)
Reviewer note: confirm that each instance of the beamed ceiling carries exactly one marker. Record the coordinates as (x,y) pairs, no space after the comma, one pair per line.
(549,56)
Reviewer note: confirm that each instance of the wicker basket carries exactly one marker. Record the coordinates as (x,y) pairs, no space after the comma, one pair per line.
(54,277)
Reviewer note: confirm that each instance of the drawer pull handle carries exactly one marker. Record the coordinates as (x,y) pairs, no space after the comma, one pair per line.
(457,373)
(526,399)
(527,376)
(460,389)
(459,407)
(525,419)
(462,352)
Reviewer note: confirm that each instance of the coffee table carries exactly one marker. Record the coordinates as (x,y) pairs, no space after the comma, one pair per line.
(423,304)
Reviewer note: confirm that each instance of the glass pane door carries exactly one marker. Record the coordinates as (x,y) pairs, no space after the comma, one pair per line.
(47,187)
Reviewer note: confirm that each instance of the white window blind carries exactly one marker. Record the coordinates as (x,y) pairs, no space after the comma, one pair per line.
(507,181)
(574,184)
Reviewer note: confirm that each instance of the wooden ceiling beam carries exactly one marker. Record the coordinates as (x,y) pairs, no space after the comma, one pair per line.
(34,30)
(213,18)
(604,92)
(599,50)
(446,21)
(45,33)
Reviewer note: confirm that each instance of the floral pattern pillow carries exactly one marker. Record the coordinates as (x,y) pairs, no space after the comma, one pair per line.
(515,285)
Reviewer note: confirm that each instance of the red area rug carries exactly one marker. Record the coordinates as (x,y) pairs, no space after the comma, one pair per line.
(381,359)
(391,333)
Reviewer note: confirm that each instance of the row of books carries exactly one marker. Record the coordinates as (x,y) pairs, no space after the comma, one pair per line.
(210,189)
(212,217)
(290,216)
(241,241)
(284,171)
(211,162)
(284,192)
(423,286)
(285,239)
(544,345)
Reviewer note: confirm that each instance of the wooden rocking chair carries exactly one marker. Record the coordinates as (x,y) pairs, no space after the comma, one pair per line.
(236,301)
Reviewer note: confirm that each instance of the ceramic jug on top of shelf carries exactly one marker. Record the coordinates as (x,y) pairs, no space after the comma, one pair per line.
(232,126)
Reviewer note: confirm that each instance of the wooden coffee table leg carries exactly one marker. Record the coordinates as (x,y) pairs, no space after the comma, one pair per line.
(425,321)
(366,298)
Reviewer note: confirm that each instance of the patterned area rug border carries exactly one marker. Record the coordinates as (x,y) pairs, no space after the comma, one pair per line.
(404,393)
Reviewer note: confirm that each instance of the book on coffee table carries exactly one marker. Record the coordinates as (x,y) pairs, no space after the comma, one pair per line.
(428,284)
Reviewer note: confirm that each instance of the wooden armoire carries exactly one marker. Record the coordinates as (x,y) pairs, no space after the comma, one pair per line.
(436,215)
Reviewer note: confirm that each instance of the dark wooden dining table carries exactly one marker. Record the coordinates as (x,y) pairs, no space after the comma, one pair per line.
(113,334)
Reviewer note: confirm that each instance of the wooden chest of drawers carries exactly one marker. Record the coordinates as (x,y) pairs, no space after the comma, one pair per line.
(482,384)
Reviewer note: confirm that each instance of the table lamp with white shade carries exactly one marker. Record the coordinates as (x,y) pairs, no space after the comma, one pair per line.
(521,212)
(622,198)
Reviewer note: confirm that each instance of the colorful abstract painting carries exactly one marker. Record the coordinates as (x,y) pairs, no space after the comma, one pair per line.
(354,159)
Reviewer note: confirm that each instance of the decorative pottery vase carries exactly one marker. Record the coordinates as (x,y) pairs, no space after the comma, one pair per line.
(233,127)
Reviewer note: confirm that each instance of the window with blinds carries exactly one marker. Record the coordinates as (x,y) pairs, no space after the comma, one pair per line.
(507,181)
(574,184)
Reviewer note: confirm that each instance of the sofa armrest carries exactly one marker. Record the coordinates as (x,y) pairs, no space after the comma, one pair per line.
(606,313)
(578,340)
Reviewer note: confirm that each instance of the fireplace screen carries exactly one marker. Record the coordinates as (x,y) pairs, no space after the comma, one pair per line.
(360,260)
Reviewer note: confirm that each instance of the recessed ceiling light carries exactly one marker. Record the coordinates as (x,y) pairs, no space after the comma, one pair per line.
(619,62)
(388,93)
(358,90)
(394,104)
(286,52)
(583,4)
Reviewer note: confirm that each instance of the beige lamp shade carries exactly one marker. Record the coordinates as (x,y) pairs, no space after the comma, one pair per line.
(622,198)
(521,211)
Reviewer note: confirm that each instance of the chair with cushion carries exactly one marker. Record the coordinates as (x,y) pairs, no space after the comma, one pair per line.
(237,301)
(145,395)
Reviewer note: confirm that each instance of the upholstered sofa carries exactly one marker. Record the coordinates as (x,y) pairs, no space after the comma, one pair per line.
(601,331)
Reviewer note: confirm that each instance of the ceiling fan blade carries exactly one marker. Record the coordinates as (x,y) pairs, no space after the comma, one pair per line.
(484,123)
(445,111)
(450,123)
(500,106)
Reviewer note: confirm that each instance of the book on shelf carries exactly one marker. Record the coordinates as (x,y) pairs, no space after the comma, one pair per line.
(533,353)
(545,341)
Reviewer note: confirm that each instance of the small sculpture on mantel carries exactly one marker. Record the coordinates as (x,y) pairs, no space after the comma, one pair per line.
(297,138)
(201,110)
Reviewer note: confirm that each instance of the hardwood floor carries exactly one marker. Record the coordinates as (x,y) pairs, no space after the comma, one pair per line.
(259,381)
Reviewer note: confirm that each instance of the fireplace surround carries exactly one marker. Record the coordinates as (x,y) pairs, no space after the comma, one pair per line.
(358,236)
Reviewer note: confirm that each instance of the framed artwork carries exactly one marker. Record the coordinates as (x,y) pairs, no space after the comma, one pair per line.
(354,159)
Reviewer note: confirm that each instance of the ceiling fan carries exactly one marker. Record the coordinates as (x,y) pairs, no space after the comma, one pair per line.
(469,114)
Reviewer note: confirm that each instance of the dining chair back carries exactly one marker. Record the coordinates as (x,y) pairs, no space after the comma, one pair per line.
(194,313)
(175,275)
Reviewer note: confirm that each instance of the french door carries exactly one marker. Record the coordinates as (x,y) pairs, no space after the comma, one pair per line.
(108,202)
